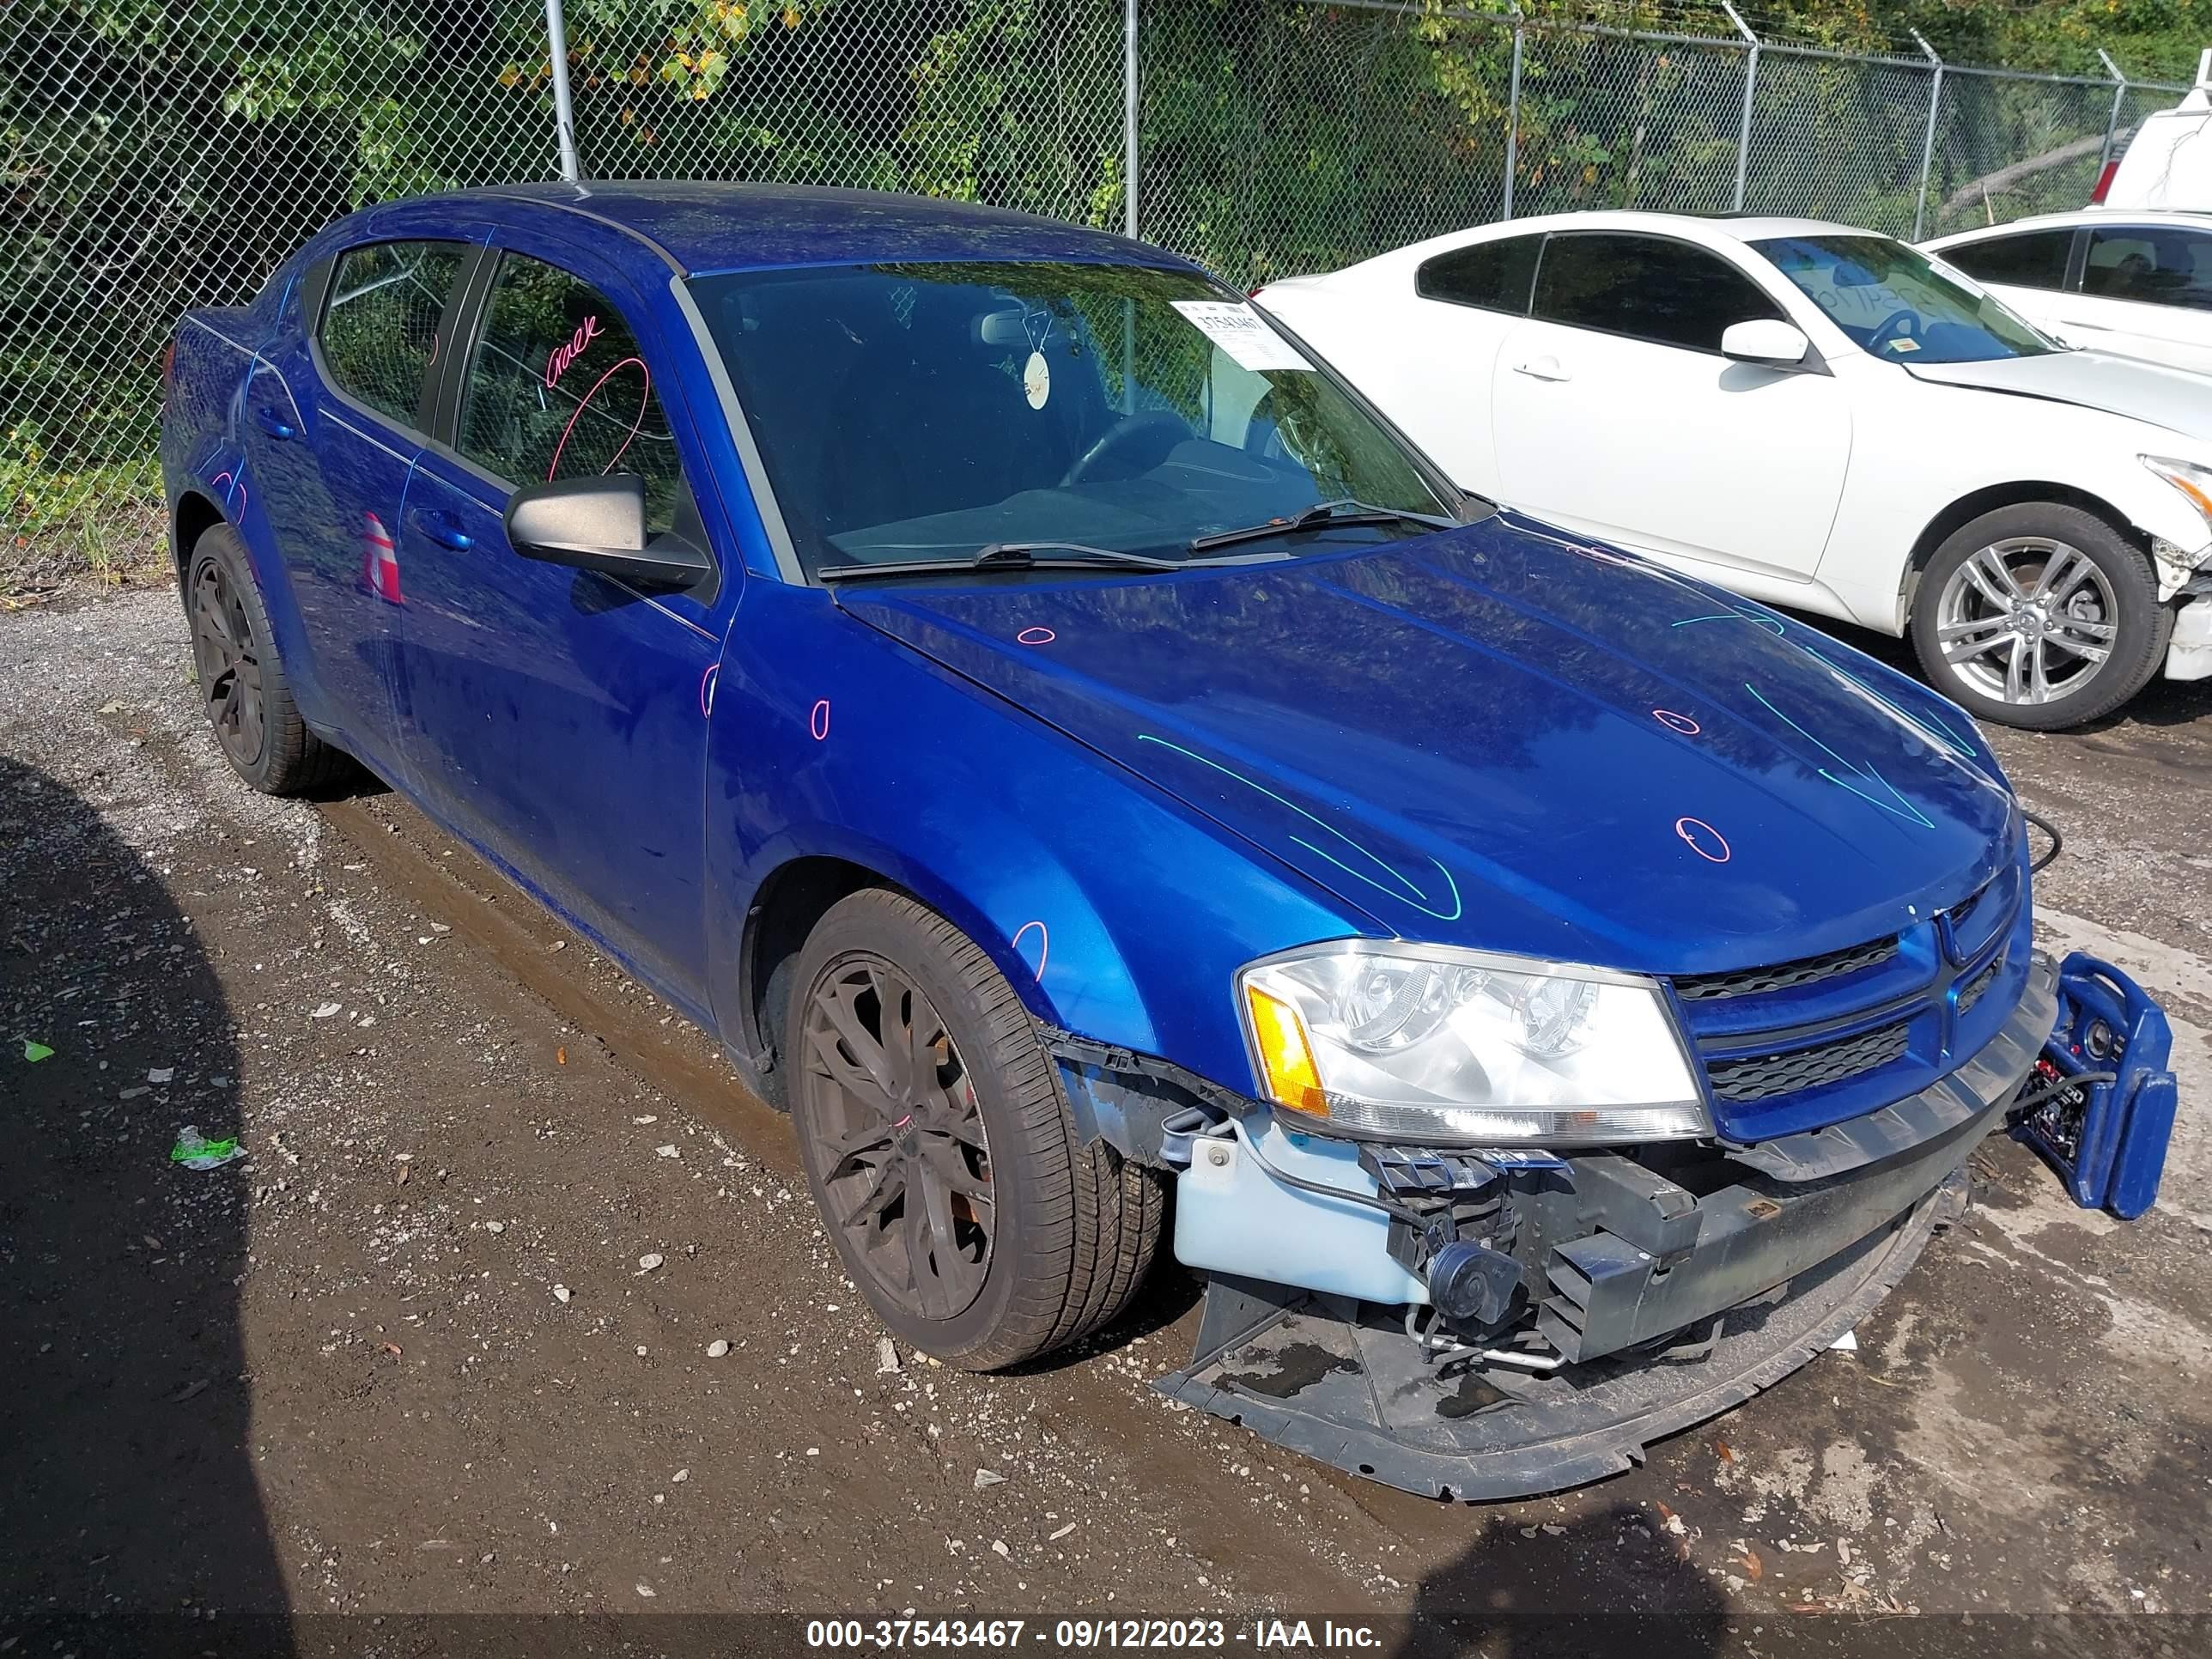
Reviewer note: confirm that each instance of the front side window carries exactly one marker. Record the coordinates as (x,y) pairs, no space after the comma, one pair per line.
(557,388)
(2033,258)
(379,330)
(1897,304)
(1647,288)
(2150,264)
(925,413)
(1491,276)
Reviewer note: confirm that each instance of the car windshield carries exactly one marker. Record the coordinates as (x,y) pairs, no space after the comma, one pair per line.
(1897,303)
(927,413)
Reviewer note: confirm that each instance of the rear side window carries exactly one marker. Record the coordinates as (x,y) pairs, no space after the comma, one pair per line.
(380,332)
(1647,288)
(2153,264)
(1493,276)
(557,388)
(2034,259)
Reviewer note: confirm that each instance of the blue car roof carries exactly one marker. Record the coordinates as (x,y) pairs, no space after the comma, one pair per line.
(708,227)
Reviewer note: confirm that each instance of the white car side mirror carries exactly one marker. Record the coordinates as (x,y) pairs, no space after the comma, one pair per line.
(1768,340)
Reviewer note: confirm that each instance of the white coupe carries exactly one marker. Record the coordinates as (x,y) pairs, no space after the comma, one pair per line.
(1813,416)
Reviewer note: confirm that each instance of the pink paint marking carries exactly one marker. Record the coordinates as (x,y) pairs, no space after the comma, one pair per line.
(644,397)
(817,720)
(558,360)
(1036,636)
(706,682)
(1044,944)
(237,488)
(1695,832)
(1675,722)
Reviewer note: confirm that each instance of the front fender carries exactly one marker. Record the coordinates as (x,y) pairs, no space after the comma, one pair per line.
(1114,911)
(1992,443)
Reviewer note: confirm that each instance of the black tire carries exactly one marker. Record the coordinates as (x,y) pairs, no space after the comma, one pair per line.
(242,683)
(2111,605)
(1071,1230)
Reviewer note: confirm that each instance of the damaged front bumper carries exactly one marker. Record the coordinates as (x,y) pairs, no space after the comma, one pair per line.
(1645,1297)
(2189,651)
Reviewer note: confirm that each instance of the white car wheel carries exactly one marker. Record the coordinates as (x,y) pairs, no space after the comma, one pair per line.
(2040,616)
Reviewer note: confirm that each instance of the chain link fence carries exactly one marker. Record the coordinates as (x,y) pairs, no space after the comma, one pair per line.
(159,156)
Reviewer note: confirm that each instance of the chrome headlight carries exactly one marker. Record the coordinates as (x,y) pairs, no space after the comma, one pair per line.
(1387,1037)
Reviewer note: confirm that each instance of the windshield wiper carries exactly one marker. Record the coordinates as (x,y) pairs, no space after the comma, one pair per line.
(1322,515)
(1010,556)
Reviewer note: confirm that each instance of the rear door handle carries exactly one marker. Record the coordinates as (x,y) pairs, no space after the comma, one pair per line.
(275,424)
(1542,368)
(445,529)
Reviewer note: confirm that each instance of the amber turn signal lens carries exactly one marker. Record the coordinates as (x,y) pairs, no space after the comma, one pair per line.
(1286,1061)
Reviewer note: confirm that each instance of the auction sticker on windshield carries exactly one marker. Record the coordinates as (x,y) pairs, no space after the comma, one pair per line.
(1237,329)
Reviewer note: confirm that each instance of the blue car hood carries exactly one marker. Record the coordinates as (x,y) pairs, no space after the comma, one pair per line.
(1497,738)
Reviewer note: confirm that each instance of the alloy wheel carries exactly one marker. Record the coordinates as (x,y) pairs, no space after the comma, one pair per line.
(229,664)
(897,1136)
(2027,620)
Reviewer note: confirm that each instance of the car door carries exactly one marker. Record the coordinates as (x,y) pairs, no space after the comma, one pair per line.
(333,428)
(2145,290)
(1616,414)
(2026,270)
(559,715)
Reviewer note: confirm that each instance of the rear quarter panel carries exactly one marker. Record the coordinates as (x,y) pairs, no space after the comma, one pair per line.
(222,352)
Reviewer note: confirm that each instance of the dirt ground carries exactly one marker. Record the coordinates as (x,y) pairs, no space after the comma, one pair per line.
(408,1356)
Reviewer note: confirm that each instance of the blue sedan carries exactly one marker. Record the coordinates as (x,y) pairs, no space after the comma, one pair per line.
(1072,750)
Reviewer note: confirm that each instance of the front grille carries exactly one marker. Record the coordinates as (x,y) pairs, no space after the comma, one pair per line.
(1782,977)
(1973,992)
(1762,1076)
(1963,912)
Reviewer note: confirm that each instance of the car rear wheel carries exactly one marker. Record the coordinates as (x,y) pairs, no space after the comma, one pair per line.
(241,680)
(2040,616)
(938,1148)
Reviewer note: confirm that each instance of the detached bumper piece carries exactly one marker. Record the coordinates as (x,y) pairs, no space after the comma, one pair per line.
(2106,1133)
(1651,1296)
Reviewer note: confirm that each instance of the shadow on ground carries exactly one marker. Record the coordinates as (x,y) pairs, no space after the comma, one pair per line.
(132,1520)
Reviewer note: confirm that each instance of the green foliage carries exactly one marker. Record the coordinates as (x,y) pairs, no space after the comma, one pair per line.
(158,155)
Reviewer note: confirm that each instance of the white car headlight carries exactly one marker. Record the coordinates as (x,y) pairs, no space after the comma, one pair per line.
(2191,478)
(1391,1038)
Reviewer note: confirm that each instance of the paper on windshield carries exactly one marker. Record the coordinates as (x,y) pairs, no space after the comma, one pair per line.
(1237,329)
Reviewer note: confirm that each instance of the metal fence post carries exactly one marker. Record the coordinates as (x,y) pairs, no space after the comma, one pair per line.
(2119,92)
(1750,90)
(1129,157)
(1512,121)
(1927,138)
(564,113)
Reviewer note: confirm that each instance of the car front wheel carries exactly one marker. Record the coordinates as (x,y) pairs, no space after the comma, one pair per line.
(2040,616)
(939,1150)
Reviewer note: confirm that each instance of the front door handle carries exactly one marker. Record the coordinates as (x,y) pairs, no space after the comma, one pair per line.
(275,424)
(445,529)
(1542,368)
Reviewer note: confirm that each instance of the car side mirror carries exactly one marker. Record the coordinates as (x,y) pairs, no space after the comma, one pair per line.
(1767,341)
(598,523)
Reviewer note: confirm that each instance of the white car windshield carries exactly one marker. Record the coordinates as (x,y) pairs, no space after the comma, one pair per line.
(1900,305)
